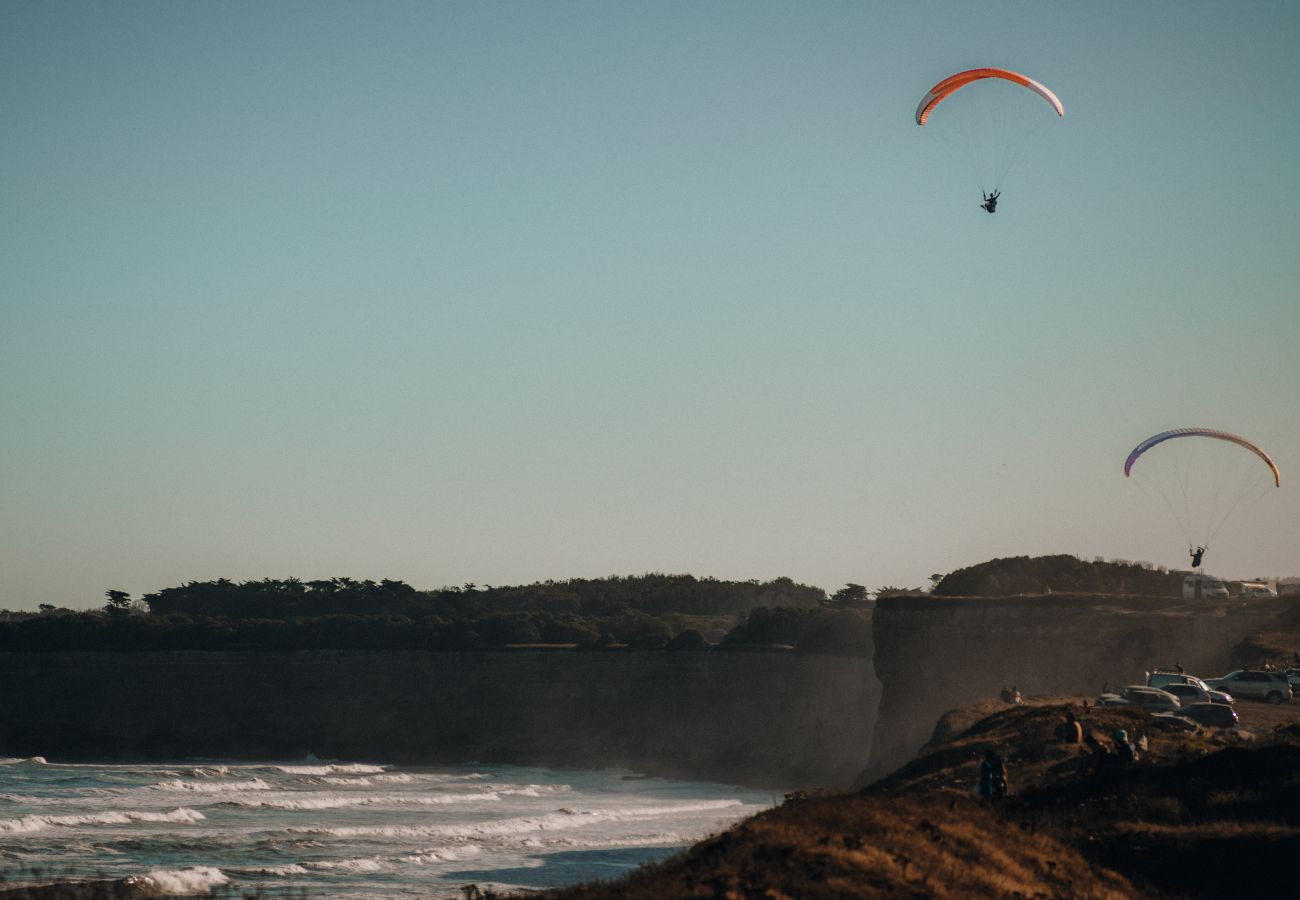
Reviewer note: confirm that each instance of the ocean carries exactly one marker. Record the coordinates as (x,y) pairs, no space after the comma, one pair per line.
(346,829)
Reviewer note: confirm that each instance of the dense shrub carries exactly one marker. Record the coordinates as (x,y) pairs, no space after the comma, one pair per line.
(1059,574)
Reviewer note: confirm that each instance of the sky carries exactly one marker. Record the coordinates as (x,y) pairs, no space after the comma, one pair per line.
(505,292)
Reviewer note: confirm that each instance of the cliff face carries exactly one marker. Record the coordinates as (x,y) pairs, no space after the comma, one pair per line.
(773,719)
(934,654)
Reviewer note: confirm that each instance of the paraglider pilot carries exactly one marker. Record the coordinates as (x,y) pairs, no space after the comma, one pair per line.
(1196,557)
(990,203)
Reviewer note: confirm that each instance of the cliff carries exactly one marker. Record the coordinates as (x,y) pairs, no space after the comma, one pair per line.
(774,719)
(1197,816)
(934,654)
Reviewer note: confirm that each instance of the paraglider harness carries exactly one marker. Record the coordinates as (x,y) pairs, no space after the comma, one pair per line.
(990,203)
(1196,556)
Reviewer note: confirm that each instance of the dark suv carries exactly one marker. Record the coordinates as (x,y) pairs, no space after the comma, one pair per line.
(1215,715)
(1255,685)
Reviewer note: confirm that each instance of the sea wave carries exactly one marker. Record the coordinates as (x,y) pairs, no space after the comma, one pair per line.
(333,769)
(363,864)
(180,882)
(215,787)
(31,823)
(564,818)
(451,853)
(283,871)
(343,801)
(363,780)
(654,839)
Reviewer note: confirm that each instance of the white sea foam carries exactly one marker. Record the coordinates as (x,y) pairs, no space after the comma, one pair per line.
(210,771)
(351,769)
(283,871)
(19,760)
(365,780)
(25,800)
(188,881)
(366,864)
(662,838)
(451,853)
(31,823)
(520,825)
(212,787)
(304,800)
(524,790)
(350,830)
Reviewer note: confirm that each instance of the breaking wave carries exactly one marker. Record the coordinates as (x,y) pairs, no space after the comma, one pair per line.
(332,829)
(188,881)
(31,823)
(563,819)
(350,769)
(343,801)
(364,780)
(216,787)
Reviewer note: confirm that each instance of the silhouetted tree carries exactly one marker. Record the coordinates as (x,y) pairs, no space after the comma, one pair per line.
(851,596)
(119,603)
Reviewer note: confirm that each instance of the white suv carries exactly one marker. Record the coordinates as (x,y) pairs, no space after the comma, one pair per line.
(1255,684)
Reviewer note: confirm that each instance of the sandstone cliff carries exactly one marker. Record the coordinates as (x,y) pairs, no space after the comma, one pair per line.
(777,719)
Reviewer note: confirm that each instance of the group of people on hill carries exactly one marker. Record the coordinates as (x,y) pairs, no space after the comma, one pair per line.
(1121,752)
(1011,696)
(1097,755)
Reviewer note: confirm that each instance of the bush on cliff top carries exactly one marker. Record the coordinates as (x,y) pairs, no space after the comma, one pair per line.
(1058,574)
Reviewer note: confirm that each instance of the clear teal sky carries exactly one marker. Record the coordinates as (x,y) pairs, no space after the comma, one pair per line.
(502,292)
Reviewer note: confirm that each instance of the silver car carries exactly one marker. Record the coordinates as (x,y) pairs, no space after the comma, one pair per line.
(1254,684)
(1190,693)
(1149,698)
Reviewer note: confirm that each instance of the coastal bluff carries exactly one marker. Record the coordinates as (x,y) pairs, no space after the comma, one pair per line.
(934,654)
(769,718)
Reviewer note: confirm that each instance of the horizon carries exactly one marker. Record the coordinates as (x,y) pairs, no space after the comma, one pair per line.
(506,293)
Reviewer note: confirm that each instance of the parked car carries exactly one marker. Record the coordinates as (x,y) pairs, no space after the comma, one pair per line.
(1164,679)
(1172,722)
(1191,693)
(1213,715)
(1255,685)
(1251,589)
(1140,695)
(1158,678)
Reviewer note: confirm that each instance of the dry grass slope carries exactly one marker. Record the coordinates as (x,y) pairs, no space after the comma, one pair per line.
(857,846)
(1204,815)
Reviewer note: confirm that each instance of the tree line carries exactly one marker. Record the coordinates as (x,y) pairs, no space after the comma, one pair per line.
(672,612)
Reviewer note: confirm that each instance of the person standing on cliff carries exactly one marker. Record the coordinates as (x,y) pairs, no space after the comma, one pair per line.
(1069,731)
(1096,756)
(993,782)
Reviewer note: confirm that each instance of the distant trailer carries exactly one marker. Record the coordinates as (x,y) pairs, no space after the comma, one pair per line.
(1204,587)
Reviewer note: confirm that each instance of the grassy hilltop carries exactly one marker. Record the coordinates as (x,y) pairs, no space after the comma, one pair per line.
(1201,816)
